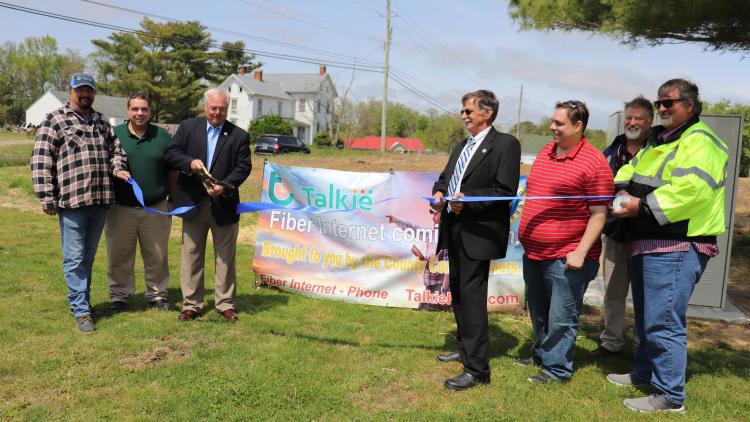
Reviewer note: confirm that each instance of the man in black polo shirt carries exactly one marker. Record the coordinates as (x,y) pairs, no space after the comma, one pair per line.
(127,222)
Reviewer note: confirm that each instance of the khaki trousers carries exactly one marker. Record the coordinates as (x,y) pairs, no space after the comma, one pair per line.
(616,283)
(194,237)
(125,226)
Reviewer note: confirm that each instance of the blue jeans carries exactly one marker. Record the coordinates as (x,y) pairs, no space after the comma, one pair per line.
(80,230)
(554,297)
(662,284)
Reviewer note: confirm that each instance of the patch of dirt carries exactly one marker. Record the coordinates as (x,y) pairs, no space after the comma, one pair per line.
(738,287)
(395,393)
(18,199)
(742,205)
(246,235)
(701,333)
(174,350)
(709,333)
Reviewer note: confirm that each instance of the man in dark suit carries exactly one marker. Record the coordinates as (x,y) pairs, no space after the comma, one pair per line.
(485,164)
(224,149)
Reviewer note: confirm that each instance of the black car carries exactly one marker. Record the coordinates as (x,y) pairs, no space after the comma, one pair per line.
(279,144)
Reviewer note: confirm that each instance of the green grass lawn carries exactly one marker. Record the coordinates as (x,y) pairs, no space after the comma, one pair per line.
(288,358)
(15,154)
(8,135)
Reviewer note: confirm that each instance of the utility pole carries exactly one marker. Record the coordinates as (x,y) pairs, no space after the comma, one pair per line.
(518,120)
(385,74)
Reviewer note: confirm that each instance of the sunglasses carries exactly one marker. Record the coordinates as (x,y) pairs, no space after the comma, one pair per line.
(571,104)
(465,111)
(667,103)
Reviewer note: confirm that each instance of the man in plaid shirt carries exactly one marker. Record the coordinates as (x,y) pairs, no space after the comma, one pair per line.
(75,155)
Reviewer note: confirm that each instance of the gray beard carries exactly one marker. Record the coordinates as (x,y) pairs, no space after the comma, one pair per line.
(666,121)
(633,134)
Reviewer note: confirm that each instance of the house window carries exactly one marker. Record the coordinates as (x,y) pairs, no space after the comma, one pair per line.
(240,89)
(320,106)
(301,105)
(233,105)
(260,106)
(278,107)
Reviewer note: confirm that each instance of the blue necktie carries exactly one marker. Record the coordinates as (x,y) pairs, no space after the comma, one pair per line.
(458,171)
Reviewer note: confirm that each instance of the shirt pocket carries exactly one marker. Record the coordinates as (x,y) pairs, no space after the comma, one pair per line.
(75,137)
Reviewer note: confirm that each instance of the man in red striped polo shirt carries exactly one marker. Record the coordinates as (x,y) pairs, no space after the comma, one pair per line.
(561,238)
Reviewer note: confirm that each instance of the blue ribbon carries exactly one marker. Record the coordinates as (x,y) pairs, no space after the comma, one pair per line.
(245,207)
(139,196)
(431,200)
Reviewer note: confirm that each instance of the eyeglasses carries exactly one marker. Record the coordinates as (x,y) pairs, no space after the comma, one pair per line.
(465,111)
(667,103)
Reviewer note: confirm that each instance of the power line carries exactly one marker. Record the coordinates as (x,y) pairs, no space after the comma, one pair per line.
(364,6)
(313,24)
(344,65)
(434,54)
(418,93)
(426,86)
(280,56)
(235,33)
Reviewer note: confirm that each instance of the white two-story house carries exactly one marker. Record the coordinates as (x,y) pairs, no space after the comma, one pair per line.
(305,100)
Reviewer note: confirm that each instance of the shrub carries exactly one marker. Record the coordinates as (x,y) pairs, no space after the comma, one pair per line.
(322,139)
(270,124)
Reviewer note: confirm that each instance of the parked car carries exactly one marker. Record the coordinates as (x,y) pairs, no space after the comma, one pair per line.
(279,144)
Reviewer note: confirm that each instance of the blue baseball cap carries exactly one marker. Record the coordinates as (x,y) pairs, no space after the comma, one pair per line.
(81,78)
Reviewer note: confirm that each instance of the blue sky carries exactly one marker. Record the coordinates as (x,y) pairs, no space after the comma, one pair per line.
(443,48)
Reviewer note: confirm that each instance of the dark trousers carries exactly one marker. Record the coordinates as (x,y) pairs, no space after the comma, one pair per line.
(468,280)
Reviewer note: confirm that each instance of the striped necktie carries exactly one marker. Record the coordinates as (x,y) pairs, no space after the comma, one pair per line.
(458,171)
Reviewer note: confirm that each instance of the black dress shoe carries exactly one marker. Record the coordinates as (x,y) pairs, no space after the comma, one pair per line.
(161,305)
(525,362)
(602,352)
(118,306)
(464,381)
(450,357)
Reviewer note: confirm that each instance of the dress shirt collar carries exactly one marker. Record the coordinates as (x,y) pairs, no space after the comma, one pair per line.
(216,128)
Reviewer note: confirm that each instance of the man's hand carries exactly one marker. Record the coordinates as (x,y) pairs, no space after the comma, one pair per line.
(50,211)
(123,175)
(390,218)
(439,203)
(457,207)
(574,260)
(630,209)
(415,250)
(216,190)
(196,165)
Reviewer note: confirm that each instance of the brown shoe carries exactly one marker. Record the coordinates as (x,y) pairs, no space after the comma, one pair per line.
(230,315)
(188,315)
(602,352)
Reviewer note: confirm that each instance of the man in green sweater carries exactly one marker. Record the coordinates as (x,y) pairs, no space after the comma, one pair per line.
(127,221)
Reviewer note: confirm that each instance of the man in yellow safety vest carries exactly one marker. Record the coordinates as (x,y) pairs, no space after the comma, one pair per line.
(672,197)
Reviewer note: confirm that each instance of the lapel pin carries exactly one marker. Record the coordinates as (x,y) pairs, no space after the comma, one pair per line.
(225,134)
(484,150)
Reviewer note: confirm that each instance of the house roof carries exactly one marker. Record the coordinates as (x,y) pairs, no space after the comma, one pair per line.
(253,86)
(297,82)
(391,142)
(105,104)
